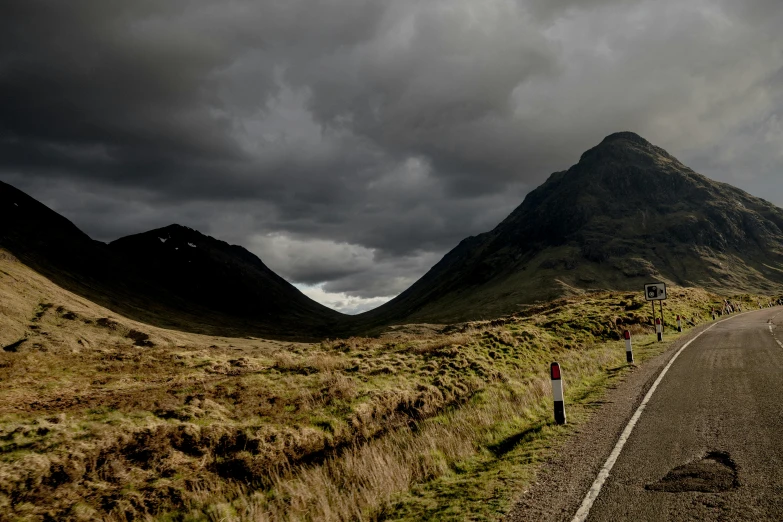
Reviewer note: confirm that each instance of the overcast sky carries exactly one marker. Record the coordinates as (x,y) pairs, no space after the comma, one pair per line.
(349,143)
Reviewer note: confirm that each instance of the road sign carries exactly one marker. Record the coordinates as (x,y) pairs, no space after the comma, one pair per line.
(655,292)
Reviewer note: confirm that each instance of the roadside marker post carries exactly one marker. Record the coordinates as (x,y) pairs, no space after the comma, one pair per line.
(659,329)
(713,314)
(679,324)
(628,347)
(557,393)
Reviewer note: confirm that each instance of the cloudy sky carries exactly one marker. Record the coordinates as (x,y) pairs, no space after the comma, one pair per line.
(351,143)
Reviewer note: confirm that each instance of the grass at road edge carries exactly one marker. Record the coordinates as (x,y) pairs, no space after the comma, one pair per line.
(484,486)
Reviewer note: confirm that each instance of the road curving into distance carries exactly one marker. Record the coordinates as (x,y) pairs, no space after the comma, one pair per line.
(707,446)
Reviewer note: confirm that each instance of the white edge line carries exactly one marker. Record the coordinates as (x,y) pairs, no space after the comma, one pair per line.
(595,489)
(772,331)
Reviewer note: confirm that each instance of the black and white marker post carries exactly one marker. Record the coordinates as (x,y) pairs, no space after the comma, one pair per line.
(628,346)
(679,324)
(659,329)
(557,393)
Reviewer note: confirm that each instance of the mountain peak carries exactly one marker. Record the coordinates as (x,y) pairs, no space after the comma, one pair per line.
(174,227)
(174,231)
(626,136)
(625,147)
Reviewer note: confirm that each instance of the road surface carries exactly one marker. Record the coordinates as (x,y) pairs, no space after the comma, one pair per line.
(708,445)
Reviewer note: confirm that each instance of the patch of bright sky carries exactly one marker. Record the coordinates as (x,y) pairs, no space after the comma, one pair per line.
(341,302)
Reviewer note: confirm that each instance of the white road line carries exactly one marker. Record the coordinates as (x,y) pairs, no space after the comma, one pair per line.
(595,489)
(772,331)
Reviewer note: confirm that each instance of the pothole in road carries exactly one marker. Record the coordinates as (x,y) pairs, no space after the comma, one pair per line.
(713,473)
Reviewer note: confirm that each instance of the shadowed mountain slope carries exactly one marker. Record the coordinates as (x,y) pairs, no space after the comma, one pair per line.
(223,290)
(626,214)
(213,274)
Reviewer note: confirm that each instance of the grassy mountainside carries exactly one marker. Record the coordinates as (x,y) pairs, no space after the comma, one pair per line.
(627,213)
(102,416)
(215,289)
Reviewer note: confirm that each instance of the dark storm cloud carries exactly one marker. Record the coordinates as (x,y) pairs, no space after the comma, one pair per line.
(86,81)
(351,143)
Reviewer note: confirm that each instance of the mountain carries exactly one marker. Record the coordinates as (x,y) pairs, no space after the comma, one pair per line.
(628,213)
(213,274)
(55,247)
(213,288)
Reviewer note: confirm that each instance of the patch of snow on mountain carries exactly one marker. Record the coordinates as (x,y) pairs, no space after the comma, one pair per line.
(163,240)
(191,245)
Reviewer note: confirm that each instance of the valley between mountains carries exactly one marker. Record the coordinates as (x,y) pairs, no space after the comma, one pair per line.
(625,213)
(171,376)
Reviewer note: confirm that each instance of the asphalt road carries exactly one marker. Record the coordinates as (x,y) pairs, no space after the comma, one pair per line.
(708,446)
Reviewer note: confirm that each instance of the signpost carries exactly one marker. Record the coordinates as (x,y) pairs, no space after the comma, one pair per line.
(656,292)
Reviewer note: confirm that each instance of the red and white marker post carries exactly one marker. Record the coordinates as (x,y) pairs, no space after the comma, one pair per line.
(659,329)
(557,393)
(679,324)
(628,346)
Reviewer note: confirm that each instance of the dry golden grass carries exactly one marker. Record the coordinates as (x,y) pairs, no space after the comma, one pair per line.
(365,479)
(103,417)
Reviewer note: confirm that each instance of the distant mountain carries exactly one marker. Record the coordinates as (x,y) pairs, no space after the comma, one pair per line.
(222,277)
(55,247)
(626,214)
(212,287)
